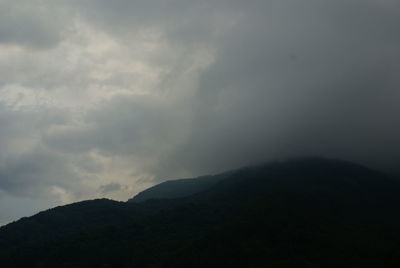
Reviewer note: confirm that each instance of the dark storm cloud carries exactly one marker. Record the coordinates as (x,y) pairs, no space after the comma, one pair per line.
(144,89)
(292,78)
(289,78)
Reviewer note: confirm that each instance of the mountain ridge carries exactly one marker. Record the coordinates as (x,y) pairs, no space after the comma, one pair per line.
(300,213)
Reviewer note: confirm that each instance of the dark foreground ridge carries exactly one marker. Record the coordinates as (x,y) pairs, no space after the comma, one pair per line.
(301,213)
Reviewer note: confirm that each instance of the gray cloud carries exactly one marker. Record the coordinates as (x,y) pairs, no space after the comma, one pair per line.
(108,97)
(111,187)
(300,78)
(34,24)
(180,21)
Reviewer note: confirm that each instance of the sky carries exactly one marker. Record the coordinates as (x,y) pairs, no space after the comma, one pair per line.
(104,98)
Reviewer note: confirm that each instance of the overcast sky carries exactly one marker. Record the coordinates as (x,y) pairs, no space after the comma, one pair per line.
(103,98)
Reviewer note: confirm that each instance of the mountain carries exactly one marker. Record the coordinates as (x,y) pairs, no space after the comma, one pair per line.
(179,188)
(308,212)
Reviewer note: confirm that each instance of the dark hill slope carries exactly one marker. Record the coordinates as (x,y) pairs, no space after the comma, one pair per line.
(302,213)
(310,176)
(179,188)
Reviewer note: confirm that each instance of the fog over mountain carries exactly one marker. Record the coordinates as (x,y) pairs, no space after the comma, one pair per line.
(106,98)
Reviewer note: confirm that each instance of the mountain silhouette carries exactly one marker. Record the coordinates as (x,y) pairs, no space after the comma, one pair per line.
(309,212)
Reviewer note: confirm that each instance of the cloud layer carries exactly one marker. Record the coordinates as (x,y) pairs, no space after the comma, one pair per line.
(105,98)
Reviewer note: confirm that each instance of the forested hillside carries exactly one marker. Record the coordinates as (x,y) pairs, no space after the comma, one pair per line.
(300,213)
